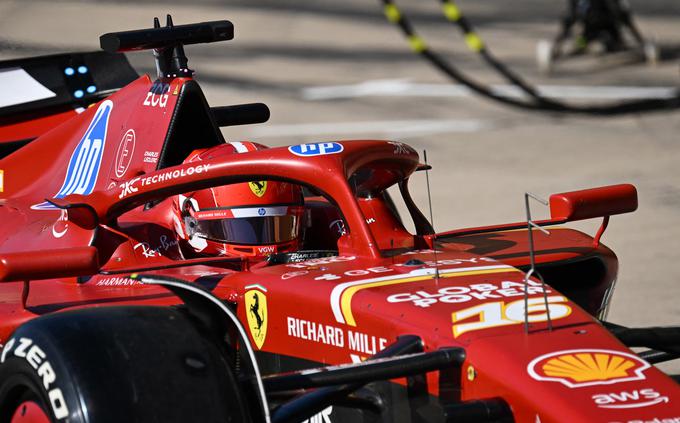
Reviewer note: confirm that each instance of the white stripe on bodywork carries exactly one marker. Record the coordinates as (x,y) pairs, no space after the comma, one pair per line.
(336,294)
(240,148)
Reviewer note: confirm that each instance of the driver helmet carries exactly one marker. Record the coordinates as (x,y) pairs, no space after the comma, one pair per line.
(249,219)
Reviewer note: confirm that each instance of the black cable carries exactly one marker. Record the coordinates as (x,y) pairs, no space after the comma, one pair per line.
(395,16)
(537,101)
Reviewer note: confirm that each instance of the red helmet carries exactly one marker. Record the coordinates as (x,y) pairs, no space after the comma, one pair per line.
(256,218)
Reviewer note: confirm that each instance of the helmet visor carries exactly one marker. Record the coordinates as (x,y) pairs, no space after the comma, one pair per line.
(260,230)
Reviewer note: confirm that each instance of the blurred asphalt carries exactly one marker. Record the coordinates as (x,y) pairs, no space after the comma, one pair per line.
(485,156)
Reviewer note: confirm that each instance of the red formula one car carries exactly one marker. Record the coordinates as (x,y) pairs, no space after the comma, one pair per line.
(320,307)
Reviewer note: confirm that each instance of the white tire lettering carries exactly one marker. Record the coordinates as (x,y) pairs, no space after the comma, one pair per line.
(46,372)
(58,403)
(24,343)
(7,349)
(35,356)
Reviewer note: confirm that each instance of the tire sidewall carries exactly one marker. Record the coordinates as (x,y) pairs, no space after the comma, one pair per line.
(31,369)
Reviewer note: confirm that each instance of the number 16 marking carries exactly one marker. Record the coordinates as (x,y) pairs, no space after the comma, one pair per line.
(498,313)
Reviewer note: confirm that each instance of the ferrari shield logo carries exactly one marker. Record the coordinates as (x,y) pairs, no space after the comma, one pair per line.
(258,187)
(256,309)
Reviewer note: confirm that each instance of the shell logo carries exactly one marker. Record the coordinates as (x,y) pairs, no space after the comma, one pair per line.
(587,367)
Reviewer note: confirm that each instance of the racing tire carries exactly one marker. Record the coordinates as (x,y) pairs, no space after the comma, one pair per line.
(23,403)
(117,364)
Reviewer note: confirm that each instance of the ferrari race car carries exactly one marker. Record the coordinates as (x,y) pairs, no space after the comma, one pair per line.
(106,316)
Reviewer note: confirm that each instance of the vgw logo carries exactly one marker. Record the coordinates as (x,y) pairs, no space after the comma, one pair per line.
(83,167)
(316,149)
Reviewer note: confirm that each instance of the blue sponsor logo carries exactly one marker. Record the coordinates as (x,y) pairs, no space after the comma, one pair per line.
(83,167)
(261,212)
(316,149)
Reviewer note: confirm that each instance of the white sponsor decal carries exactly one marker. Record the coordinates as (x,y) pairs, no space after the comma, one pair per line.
(126,149)
(630,399)
(289,275)
(461,294)
(338,290)
(354,272)
(318,261)
(335,336)
(164,245)
(654,420)
(323,417)
(382,269)
(129,187)
(60,227)
(117,281)
(158,95)
(400,148)
(151,156)
(37,359)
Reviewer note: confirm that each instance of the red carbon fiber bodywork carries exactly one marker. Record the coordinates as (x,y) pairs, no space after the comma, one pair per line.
(462,288)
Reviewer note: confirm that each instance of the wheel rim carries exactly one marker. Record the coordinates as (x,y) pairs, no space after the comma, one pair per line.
(29,412)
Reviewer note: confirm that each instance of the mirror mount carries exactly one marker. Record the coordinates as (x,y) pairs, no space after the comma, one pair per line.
(41,264)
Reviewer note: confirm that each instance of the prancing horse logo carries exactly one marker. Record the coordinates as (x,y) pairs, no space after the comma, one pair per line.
(256,306)
(258,187)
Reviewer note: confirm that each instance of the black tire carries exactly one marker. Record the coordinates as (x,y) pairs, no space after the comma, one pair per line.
(119,364)
(18,390)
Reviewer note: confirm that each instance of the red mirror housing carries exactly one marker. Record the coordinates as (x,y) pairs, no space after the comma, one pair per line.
(65,262)
(594,202)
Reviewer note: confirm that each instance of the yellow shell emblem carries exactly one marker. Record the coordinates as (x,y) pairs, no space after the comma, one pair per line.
(588,367)
(258,187)
(257,314)
(577,368)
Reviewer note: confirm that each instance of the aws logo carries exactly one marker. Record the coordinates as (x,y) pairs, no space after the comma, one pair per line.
(630,399)
(257,313)
(258,187)
(587,367)
(83,167)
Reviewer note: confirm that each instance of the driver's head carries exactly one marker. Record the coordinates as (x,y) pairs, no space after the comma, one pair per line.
(255,218)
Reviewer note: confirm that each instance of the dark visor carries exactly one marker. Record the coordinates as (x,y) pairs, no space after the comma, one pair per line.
(249,230)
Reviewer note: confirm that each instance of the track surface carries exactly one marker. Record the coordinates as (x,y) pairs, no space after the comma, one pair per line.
(484,156)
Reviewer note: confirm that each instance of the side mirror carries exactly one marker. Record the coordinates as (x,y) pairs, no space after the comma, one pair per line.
(594,202)
(41,264)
